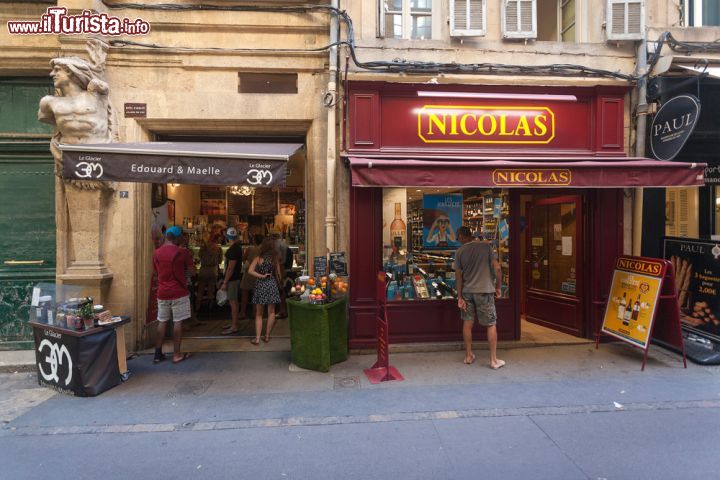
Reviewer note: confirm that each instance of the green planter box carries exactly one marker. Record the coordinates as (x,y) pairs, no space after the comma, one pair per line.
(318,334)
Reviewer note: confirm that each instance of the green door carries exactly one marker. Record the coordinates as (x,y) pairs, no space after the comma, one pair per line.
(27,205)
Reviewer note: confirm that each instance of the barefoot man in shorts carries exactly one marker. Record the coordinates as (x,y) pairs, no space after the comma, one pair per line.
(475,263)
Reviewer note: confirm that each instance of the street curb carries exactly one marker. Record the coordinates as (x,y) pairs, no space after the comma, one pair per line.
(17,368)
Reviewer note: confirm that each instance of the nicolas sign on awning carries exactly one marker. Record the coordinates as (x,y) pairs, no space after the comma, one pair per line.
(672,126)
(256,165)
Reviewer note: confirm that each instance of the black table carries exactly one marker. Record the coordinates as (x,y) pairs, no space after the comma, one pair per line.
(81,363)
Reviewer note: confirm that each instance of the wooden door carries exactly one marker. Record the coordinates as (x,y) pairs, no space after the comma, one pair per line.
(554,264)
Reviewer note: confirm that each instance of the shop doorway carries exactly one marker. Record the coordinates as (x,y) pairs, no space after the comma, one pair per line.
(553,263)
(204,213)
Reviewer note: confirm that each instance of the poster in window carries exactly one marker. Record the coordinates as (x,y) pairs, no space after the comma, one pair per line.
(171,211)
(442,216)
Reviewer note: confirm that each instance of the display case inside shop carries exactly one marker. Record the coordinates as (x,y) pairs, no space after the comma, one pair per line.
(420,262)
(67,307)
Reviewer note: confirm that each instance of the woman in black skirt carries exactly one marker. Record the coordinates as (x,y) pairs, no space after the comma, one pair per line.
(266,268)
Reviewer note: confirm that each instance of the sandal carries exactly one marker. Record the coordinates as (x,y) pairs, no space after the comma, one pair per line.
(229,332)
(499,364)
(184,357)
(255,341)
(266,339)
(472,359)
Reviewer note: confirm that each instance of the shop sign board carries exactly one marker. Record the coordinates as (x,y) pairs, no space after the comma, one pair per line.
(697,268)
(672,126)
(633,299)
(486,124)
(712,174)
(135,110)
(446,120)
(536,177)
(108,167)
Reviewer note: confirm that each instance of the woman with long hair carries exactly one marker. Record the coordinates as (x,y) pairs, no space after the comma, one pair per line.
(247,283)
(266,269)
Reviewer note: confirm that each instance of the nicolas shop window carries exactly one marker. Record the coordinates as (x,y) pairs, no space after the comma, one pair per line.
(420,237)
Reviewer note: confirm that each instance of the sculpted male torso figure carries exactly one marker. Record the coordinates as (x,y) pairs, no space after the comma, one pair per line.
(80,113)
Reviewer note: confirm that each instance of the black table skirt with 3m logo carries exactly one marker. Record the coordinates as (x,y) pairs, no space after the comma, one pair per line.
(83,364)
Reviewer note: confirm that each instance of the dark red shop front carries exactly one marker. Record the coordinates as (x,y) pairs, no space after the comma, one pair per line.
(539,171)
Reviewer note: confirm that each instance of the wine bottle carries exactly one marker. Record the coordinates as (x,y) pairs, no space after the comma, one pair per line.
(398,228)
(636,310)
(621,307)
(627,313)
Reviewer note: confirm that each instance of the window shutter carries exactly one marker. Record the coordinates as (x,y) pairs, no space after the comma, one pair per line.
(467,18)
(519,18)
(625,19)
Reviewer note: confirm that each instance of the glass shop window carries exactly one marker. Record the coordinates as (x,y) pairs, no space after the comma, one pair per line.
(420,239)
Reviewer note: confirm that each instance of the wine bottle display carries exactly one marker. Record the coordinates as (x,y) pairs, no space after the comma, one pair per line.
(397,228)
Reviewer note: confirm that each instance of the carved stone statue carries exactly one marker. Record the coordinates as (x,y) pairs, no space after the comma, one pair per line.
(80,110)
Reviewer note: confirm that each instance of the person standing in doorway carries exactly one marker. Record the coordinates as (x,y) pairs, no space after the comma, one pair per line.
(247,283)
(170,264)
(475,267)
(266,269)
(210,256)
(231,282)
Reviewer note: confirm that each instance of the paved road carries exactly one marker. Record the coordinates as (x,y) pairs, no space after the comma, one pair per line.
(561,412)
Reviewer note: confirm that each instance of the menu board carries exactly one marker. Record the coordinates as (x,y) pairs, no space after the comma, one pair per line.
(697,279)
(320,266)
(338,263)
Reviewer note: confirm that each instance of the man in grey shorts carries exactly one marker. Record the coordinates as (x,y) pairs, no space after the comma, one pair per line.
(475,262)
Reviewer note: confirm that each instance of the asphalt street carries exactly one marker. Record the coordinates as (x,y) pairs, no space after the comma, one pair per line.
(565,412)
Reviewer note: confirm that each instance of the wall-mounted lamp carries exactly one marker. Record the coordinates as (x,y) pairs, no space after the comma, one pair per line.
(174,185)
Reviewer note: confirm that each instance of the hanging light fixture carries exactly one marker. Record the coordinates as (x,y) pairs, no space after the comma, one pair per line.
(242,190)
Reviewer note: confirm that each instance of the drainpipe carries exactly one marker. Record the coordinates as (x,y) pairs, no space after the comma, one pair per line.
(641,112)
(331,160)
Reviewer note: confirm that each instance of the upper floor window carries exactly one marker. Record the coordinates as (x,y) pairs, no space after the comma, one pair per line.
(406,19)
(700,13)
(556,20)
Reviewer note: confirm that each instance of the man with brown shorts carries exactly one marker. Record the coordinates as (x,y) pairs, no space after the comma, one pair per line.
(475,263)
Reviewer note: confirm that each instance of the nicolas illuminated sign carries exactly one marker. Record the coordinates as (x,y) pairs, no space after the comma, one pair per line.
(485,124)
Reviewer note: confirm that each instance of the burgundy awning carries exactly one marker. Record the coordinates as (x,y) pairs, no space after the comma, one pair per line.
(611,172)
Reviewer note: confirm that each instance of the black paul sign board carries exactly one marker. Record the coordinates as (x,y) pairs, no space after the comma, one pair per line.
(320,266)
(83,365)
(338,263)
(672,126)
(697,265)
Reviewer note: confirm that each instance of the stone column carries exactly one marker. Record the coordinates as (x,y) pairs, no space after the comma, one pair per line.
(84,241)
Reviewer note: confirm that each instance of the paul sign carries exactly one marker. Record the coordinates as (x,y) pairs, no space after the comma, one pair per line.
(672,126)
